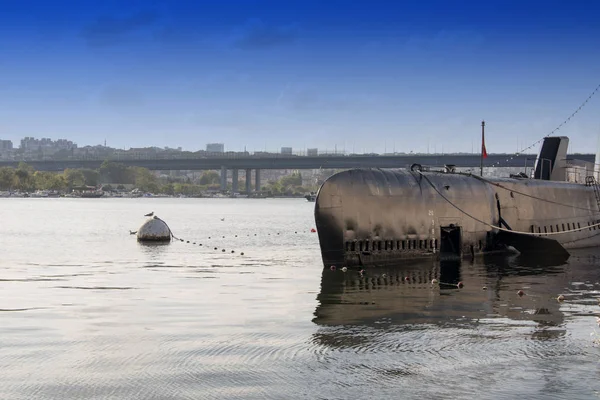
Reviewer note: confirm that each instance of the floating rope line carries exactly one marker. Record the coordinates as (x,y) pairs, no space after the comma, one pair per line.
(177,239)
(518,153)
(498,227)
(258,235)
(200,244)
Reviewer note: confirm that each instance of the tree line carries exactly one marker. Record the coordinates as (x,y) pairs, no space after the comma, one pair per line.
(113,175)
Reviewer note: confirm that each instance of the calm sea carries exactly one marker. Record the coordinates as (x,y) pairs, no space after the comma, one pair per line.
(88,313)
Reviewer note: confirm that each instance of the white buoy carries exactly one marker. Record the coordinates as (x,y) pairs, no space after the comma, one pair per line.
(154,230)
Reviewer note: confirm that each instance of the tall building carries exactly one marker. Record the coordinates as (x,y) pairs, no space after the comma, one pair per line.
(215,148)
(31,143)
(6,150)
(312,152)
(286,150)
(6,145)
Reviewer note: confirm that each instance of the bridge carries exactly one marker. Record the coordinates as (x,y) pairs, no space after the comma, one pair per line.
(257,163)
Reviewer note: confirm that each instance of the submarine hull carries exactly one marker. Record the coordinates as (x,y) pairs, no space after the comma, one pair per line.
(377,217)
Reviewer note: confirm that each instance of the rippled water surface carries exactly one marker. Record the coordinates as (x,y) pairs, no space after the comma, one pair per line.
(87,312)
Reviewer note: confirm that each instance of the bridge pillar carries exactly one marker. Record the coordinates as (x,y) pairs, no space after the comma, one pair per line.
(223,178)
(257,184)
(248,180)
(234,180)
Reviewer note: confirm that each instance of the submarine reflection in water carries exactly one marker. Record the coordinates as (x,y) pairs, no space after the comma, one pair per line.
(404,295)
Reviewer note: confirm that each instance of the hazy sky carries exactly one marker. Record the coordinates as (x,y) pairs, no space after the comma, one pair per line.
(365,75)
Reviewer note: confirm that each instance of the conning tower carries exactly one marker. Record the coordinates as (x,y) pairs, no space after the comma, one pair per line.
(551,164)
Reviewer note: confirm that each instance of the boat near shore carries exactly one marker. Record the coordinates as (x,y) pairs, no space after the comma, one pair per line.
(369,217)
(92,194)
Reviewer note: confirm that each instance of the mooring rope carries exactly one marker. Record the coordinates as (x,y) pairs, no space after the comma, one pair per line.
(531,196)
(499,227)
(518,153)
(167,225)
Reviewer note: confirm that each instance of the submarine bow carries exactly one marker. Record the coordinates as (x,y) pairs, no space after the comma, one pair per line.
(375,216)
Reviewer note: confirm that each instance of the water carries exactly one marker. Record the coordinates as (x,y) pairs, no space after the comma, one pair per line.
(87,312)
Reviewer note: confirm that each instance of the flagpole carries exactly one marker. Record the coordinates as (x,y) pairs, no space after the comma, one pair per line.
(482,144)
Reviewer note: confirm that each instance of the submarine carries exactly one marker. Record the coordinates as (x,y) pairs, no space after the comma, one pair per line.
(374,217)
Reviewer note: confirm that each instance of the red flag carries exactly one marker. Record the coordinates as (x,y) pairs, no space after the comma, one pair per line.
(483,150)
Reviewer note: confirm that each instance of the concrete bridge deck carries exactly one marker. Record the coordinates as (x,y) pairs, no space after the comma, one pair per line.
(295,162)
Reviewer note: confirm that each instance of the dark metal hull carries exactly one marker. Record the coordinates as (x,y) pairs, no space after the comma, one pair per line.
(377,217)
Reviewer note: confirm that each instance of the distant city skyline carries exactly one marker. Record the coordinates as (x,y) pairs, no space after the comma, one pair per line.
(367,77)
(31,144)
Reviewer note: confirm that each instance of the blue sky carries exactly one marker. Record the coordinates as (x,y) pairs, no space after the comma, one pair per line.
(365,76)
